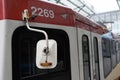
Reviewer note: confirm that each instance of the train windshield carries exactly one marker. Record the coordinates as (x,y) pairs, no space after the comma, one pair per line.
(24,53)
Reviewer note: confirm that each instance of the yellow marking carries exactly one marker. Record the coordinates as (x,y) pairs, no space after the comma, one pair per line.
(46,64)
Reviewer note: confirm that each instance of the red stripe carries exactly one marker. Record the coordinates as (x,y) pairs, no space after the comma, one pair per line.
(12,9)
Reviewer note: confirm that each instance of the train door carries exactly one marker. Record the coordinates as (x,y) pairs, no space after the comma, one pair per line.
(84,54)
(88,57)
(96,56)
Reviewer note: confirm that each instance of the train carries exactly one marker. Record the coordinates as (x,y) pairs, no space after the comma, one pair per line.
(44,41)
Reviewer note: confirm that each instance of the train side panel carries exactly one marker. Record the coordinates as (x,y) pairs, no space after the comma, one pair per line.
(6,64)
(90,54)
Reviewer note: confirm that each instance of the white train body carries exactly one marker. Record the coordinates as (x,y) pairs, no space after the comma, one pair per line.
(79,43)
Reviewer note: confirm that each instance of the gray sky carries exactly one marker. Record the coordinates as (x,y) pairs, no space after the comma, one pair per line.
(104,5)
(99,5)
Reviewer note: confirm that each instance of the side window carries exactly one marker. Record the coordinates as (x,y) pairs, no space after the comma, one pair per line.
(119,50)
(106,47)
(96,56)
(107,64)
(86,58)
(113,53)
(24,53)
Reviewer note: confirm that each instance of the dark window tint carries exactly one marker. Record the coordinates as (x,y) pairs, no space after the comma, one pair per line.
(96,56)
(106,51)
(113,53)
(106,47)
(24,55)
(86,58)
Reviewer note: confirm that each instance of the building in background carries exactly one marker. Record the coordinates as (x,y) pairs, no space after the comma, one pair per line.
(110,19)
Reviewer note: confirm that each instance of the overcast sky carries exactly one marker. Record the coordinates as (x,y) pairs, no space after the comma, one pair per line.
(99,5)
(104,5)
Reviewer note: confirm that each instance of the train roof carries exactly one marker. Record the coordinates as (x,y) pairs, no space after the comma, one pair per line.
(12,9)
(48,13)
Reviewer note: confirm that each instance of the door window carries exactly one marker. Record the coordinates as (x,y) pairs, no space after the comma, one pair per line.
(96,58)
(86,58)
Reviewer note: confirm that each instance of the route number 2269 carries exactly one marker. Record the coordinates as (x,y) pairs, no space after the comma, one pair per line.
(43,12)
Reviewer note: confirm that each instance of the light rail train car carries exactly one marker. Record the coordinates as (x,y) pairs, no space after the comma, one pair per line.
(111,57)
(44,41)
